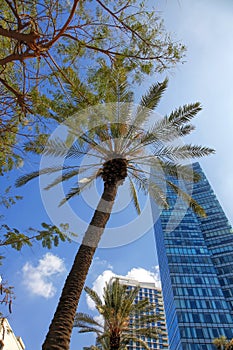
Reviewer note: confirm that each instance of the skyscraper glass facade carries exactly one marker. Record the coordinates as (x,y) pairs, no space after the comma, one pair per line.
(196,265)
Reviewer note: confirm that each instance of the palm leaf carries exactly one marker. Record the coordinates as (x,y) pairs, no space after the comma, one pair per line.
(182,152)
(94,296)
(176,170)
(149,102)
(186,130)
(87,329)
(88,138)
(75,191)
(22,180)
(157,193)
(184,114)
(77,150)
(56,148)
(83,318)
(65,176)
(134,196)
(135,339)
(188,199)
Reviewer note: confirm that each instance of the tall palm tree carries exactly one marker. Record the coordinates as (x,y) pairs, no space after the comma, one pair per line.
(117,309)
(122,147)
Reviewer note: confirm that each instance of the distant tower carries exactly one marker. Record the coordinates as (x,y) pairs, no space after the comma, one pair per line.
(8,341)
(196,268)
(154,294)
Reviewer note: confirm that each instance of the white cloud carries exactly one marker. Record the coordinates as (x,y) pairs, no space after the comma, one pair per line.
(101,262)
(142,275)
(137,273)
(98,286)
(39,280)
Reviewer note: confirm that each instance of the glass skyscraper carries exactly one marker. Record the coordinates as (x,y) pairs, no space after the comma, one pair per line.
(196,266)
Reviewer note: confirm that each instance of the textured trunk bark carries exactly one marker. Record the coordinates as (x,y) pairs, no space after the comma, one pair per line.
(114,341)
(59,334)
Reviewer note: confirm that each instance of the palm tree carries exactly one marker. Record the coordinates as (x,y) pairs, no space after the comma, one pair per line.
(229,345)
(117,310)
(121,147)
(220,343)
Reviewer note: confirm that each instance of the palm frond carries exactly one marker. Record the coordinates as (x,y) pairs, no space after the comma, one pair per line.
(22,180)
(118,87)
(134,196)
(135,339)
(75,191)
(185,113)
(140,179)
(88,329)
(83,318)
(89,139)
(182,152)
(67,175)
(77,150)
(157,193)
(188,199)
(149,102)
(176,170)
(94,296)
(186,130)
(55,148)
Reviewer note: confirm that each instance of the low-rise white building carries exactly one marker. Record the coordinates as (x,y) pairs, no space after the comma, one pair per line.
(8,340)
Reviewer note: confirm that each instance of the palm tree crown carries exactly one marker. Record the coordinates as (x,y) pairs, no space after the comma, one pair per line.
(117,310)
(122,149)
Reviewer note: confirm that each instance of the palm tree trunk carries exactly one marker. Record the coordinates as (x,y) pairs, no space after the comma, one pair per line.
(114,341)
(59,334)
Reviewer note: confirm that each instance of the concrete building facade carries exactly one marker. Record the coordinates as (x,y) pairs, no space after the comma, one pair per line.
(8,340)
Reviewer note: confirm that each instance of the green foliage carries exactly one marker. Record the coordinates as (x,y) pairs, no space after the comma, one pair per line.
(7,200)
(222,343)
(116,309)
(49,236)
(121,135)
(54,55)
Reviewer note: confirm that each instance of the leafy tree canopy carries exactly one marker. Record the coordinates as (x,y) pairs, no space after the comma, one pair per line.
(39,43)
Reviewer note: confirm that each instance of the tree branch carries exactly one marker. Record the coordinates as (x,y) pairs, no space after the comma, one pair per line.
(63,29)
(14,10)
(29,38)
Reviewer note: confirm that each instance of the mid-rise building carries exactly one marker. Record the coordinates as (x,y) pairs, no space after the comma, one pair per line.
(8,340)
(195,257)
(154,294)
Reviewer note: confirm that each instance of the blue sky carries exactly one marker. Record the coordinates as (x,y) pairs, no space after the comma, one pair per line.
(206,28)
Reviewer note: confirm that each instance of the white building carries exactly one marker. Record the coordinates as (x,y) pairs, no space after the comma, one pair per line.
(8,340)
(154,294)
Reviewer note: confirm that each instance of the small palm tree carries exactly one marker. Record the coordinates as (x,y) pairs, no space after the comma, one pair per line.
(229,345)
(220,343)
(121,147)
(118,310)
